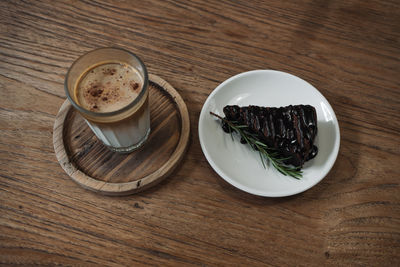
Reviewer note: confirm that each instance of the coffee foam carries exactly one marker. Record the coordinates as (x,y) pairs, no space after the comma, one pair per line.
(108,87)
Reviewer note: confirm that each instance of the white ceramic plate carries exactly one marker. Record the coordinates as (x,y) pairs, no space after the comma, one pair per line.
(237,163)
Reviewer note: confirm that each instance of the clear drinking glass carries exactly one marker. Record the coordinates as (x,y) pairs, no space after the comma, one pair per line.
(123,130)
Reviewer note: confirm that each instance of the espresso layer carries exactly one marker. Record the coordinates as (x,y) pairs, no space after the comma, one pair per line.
(108,87)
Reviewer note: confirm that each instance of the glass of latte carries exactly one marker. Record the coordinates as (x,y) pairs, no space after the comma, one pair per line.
(109,88)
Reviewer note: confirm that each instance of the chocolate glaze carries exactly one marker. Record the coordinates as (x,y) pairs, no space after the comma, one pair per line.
(291,129)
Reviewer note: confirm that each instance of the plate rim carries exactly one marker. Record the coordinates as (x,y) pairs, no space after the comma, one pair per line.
(244,187)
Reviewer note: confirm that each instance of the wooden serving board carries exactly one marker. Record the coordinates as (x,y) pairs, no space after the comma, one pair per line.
(92,165)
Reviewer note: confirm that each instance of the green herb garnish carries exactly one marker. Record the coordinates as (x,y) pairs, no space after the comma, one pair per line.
(267,154)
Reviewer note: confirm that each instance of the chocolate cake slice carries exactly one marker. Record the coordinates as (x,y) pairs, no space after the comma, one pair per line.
(291,130)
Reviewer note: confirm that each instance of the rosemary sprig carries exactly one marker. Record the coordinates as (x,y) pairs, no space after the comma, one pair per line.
(266,154)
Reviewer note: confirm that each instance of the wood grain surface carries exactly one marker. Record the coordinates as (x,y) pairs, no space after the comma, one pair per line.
(92,165)
(349,50)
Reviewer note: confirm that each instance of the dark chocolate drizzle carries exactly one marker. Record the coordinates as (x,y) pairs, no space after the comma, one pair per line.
(291,130)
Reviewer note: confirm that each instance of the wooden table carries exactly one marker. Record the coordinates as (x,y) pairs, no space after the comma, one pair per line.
(349,50)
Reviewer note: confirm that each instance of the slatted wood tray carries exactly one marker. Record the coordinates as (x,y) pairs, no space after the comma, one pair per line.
(92,165)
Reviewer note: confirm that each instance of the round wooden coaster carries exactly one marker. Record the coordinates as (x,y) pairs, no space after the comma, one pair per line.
(92,165)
